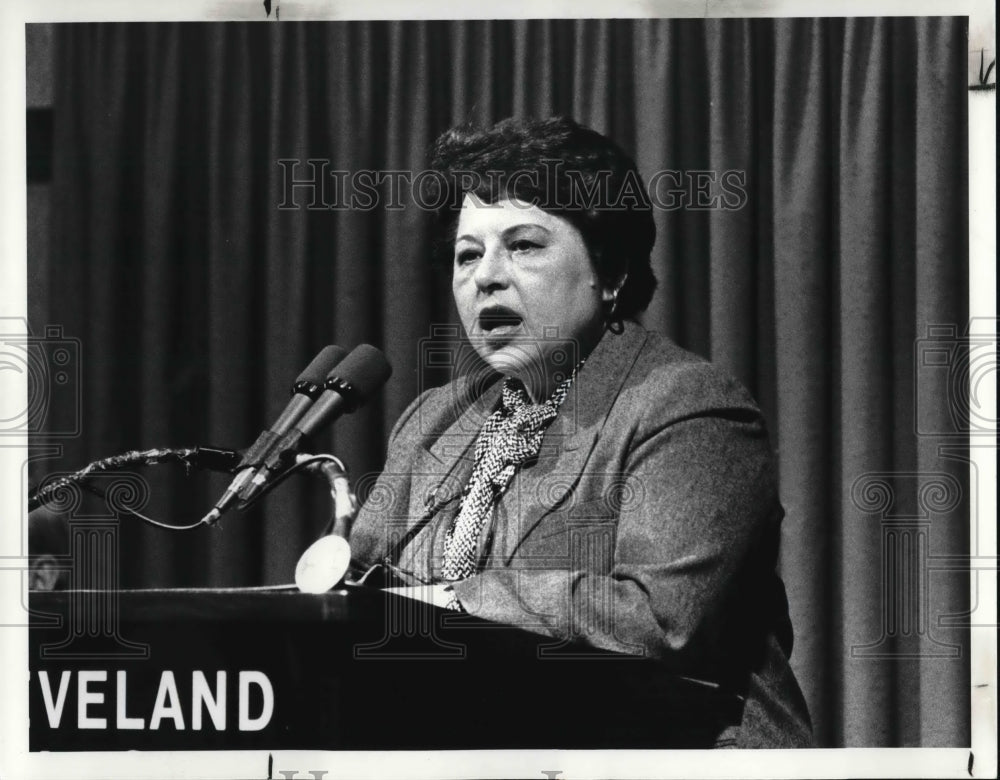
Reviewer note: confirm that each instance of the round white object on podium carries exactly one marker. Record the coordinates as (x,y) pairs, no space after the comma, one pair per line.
(323,565)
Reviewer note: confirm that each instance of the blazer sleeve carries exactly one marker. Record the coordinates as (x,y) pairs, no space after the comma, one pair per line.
(708,501)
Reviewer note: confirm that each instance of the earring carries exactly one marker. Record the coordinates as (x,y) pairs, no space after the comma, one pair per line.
(615,324)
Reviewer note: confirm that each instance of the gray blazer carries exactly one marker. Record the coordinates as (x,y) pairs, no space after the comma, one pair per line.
(648,524)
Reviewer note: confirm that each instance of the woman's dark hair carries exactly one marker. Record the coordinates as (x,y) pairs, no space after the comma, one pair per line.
(565,169)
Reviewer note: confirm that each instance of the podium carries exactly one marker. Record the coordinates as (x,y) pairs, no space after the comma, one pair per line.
(352,669)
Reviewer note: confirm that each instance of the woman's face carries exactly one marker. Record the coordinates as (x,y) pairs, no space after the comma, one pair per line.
(526,291)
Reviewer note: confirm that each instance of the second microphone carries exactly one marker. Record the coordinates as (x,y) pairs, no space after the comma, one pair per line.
(347,387)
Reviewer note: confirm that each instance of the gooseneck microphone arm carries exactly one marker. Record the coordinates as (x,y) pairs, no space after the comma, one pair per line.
(209,458)
(201,458)
(205,458)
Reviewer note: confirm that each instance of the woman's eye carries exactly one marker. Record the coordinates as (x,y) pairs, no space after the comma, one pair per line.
(523,245)
(466,256)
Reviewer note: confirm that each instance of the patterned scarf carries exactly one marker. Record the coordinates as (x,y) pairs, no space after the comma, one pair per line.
(511,436)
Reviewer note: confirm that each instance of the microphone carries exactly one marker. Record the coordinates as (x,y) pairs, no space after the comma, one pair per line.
(348,386)
(306,389)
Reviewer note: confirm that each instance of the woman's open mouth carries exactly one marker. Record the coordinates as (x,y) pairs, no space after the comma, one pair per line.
(498,321)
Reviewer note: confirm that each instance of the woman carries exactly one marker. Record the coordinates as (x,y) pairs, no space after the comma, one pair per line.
(597,482)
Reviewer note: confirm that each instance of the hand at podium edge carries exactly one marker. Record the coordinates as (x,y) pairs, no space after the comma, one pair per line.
(439,594)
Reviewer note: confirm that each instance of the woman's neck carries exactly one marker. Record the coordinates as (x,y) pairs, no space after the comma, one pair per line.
(557,364)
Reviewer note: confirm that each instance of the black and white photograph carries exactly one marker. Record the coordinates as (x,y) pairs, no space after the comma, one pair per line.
(524,390)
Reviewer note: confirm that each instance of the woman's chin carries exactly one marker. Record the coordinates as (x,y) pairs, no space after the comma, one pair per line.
(510,356)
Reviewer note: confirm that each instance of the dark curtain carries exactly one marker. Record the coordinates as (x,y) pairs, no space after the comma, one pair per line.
(197,299)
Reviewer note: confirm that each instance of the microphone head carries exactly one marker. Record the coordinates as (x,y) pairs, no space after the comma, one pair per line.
(360,374)
(316,372)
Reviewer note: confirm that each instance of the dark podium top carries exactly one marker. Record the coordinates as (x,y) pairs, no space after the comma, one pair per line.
(352,669)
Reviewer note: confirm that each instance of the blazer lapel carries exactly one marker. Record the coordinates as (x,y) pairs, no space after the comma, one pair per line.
(443,465)
(572,435)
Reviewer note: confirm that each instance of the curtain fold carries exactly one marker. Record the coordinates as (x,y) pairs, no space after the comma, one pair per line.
(833,153)
(801,225)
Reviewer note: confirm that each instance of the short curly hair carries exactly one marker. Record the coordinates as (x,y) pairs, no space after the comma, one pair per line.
(563,168)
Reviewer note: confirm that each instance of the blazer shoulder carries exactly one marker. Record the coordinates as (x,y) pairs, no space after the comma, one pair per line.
(681,384)
(435,409)
(408,415)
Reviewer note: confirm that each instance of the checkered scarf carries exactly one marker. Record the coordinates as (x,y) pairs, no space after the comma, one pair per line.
(511,436)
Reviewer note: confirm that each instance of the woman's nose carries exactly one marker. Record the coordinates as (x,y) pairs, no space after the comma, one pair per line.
(493,269)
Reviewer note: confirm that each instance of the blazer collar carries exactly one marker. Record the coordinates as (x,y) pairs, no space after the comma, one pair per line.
(448,452)
(595,389)
(467,412)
